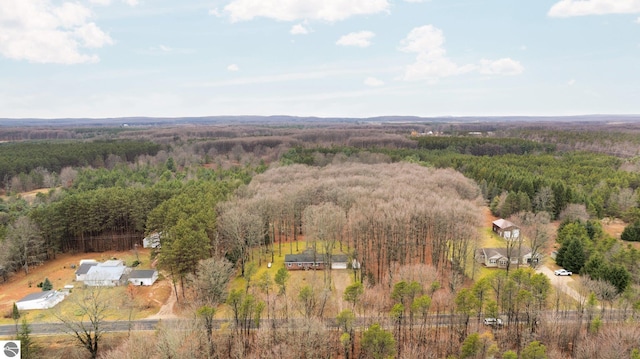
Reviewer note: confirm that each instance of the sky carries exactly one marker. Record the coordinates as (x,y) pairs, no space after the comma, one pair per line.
(325,58)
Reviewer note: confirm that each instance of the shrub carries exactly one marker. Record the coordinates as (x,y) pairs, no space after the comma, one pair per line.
(631,232)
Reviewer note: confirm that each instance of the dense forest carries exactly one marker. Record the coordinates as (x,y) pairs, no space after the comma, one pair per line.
(404,201)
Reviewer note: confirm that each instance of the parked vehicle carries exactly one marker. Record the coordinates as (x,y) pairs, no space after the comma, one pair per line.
(562,272)
(494,322)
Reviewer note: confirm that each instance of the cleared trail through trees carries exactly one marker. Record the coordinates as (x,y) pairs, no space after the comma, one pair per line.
(166,311)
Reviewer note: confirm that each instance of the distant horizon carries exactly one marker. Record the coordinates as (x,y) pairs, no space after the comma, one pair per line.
(267,119)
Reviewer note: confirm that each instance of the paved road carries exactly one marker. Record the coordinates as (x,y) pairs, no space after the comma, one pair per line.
(8,331)
(58,328)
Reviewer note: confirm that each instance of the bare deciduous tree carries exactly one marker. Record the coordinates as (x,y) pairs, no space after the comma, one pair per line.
(26,245)
(324,223)
(242,228)
(536,230)
(91,308)
(211,279)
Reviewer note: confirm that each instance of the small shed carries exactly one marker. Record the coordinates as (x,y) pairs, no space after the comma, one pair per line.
(40,300)
(143,276)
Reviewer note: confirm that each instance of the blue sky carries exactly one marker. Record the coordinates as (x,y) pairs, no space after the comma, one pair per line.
(353,58)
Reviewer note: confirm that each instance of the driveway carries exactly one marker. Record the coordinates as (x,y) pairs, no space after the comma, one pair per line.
(560,282)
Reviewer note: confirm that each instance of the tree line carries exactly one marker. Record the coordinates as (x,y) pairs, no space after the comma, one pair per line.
(536,181)
(23,157)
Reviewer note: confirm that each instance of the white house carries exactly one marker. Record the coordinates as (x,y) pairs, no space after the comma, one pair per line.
(143,276)
(83,269)
(152,241)
(109,274)
(40,300)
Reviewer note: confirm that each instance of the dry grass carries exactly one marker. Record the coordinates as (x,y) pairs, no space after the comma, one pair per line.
(147,300)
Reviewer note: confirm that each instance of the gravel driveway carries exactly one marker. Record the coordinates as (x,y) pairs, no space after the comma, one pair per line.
(560,282)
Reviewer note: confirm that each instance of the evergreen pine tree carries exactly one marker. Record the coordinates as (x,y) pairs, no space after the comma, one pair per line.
(15,315)
(28,348)
(47,285)
(574,258)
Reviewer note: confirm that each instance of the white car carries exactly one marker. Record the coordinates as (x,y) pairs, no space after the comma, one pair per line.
(493,322)
(562,272)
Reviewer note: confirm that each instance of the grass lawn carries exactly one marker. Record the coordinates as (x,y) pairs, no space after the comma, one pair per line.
(488,239)
(297,279)
(261,260)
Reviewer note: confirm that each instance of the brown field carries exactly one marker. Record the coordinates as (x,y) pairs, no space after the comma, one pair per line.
(59,271)
(28,196)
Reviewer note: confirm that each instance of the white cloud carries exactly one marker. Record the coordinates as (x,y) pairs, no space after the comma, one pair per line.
(567,8)
(571,82)
(373,82)
(91,36)
(432,62)
(638,20)
(505,66)
(215,12)
(359,39)
(233,68)
(299,29)
(108,2)
(291,10)
(416,1)
(41,32)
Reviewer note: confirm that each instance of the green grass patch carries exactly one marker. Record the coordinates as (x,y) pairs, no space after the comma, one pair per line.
(297,278)
(488,239)
(491,240)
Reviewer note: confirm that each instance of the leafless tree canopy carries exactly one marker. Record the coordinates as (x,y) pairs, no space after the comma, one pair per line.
(396,214)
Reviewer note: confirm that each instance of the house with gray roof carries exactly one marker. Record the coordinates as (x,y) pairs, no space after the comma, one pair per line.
(83,269)
(500,257)
(310,259)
